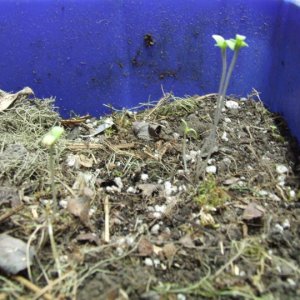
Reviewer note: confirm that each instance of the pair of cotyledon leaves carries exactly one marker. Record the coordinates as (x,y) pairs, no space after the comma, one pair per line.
(233,44)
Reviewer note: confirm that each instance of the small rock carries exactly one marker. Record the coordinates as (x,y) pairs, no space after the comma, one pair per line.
(281,180)
(231,181)
(144,177)
(211,161)
(155,229)
(224,137)
(286,224)
(211,169)
(181,297)
(278,228)
(292,194)
(169,189)
(274,197)
(176,136)
(263,193)
(160,208)
(291,282)
(131,190)
(157,215)
(232,104)
(281,169)
(148,262)
(63,203)
(180,172)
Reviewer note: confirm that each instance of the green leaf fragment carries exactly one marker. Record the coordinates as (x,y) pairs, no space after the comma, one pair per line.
(220,41)
(237,43)
(52,136)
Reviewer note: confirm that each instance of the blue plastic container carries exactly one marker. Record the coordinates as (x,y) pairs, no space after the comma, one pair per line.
(122,52)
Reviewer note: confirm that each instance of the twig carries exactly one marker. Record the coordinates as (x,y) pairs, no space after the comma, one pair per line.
(53,247)
(106,211)
(31,286)
(86,146)
(11,212)
(42,292)
(161,102)
(32,236)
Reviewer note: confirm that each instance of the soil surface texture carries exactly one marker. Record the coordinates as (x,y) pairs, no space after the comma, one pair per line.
(141,212)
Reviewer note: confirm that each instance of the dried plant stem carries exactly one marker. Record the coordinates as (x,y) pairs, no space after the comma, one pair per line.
(50,286)
(11,212)
(52,178)
(31,286)
(106,211)
(32,236)
(184,153)
(53,247)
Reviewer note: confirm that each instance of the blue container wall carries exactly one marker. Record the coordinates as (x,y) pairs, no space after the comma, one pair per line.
(93,52)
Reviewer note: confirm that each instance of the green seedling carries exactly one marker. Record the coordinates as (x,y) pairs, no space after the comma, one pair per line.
(49,140)
(187,131)
(235,45)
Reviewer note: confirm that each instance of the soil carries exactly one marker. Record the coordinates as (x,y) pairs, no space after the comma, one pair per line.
(133,224)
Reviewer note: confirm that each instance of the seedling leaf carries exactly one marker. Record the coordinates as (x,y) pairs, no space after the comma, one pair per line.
(220,41)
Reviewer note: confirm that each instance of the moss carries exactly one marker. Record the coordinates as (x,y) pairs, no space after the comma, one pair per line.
(209,193)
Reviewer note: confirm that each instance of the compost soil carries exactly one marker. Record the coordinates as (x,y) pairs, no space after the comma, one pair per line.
(133,224)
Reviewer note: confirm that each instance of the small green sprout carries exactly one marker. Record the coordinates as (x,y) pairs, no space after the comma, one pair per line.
(49,141)
(235,45)
(187,131)
(220,41)
(52,136)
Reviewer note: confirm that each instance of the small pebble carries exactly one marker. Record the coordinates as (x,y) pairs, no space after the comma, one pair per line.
(211,169)
(118,182)
(181,297)
(232,104)
(211,160)
(169,189)
(291,282)
(155,229)
(176,136)
(144,177)
(263,193)
(160,208)
(281,180)
(92,211)
(281,169)
(286,224)
(278,228)
(224,137)
(71,160)
(156,262)
(274,197)
(292,194)
(148,262)
(63,203)
(131,190)
(157,215)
